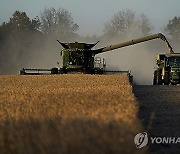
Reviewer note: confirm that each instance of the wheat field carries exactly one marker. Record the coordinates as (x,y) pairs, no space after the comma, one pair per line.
(72,113)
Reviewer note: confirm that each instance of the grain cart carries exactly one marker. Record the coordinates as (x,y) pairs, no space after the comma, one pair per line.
(81,58)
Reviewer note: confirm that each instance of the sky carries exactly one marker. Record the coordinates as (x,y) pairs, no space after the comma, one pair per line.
(91,15)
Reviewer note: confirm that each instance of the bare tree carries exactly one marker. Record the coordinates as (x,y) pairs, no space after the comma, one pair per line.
(120,22)
(173,28)
(145,25)
(57,22)
(126,22)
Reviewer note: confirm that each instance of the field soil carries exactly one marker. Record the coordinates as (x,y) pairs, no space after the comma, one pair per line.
(159,111)
(68,114)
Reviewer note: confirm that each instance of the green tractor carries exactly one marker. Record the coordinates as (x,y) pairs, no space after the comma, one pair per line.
(168,69)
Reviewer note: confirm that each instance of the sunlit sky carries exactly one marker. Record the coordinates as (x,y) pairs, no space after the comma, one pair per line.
(91,15)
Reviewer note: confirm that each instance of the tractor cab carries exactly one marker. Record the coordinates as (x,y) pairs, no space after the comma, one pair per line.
(168,70)
(173,61)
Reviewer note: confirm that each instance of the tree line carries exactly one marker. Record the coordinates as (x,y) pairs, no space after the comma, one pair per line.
(22,38)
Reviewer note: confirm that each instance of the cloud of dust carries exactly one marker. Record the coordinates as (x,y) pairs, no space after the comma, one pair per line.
(44,52)
(139,58)
(30,51)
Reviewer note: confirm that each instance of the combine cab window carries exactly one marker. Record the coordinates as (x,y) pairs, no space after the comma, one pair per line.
(174,61)
(76,58)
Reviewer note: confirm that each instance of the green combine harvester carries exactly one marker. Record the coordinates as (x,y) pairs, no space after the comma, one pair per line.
(81,58)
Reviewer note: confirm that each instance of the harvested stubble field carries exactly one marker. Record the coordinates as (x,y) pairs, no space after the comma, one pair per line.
(67,114)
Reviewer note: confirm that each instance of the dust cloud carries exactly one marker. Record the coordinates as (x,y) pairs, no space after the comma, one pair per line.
(140,59)
(44,52)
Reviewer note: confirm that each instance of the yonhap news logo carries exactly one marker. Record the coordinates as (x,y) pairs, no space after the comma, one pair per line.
(141,140)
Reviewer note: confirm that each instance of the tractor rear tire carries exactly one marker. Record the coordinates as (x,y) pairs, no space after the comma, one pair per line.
(166,78)
(159,77)
(173,83)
